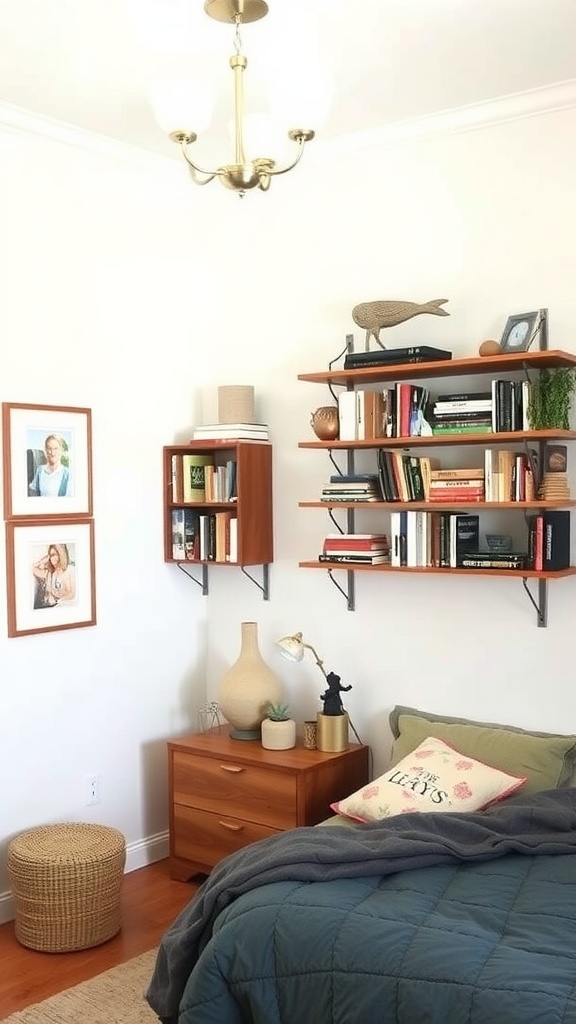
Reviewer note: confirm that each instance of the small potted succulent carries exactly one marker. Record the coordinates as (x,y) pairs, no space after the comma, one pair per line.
(278,728)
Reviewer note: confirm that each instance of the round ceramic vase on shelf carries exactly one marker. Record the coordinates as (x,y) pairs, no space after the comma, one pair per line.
(248,688)
(325,422)
(278,735)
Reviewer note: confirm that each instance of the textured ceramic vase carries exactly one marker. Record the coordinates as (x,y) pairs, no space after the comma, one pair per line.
(278,735)
(248,687)
(325,423)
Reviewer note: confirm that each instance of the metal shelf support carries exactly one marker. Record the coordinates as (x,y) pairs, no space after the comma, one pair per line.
(351,595)
(203,583)
(265,585)
(542,605)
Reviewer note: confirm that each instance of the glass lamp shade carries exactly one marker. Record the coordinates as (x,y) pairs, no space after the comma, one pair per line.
(181,104)
(291,647)
(248,687)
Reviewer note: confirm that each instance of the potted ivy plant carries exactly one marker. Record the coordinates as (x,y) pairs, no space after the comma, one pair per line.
(278,728)
(550,399)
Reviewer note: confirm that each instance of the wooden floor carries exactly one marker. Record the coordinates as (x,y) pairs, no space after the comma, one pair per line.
(151,900)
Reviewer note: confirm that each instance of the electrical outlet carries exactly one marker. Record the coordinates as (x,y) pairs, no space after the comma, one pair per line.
(92,789)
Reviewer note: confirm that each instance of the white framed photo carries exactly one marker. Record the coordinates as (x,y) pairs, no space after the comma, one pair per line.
(50,575)
(47,461)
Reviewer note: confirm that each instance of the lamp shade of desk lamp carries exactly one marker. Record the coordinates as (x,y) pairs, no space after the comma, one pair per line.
(292,648)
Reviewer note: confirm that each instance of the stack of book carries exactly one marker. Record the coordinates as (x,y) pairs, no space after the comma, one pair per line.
(351,487)
(392,356)
(449,486)
(359,548)
(463,413)
(232,432)
(495,560)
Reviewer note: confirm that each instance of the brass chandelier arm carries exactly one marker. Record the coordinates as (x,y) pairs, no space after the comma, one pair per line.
(194,170)
(301,137)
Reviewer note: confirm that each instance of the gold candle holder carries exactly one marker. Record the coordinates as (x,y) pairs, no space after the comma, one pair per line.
(332,732)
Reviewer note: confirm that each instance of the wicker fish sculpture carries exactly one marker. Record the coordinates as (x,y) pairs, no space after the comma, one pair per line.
(373,316)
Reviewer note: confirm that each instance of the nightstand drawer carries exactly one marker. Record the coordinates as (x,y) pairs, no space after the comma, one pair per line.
(204,838)
(226,787)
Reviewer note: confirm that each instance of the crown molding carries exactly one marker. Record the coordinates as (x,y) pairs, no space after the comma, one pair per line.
(513,107)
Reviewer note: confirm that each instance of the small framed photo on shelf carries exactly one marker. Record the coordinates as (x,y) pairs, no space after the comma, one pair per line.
(521,330)
(50,575)
(47,461)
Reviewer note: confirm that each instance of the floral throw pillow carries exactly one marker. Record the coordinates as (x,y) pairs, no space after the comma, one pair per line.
(434,777)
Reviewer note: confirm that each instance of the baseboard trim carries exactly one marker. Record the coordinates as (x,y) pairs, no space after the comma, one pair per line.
(138,855)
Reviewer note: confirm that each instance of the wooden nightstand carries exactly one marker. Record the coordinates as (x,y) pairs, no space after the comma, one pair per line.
(226,793)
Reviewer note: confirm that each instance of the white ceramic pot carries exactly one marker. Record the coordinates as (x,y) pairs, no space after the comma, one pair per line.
(278,735)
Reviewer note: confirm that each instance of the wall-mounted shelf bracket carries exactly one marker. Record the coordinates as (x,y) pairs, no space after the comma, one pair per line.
(265,585)
(351,595)
(203,583)
(542,605)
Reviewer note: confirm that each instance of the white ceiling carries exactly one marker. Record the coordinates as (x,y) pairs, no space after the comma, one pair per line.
(91,63)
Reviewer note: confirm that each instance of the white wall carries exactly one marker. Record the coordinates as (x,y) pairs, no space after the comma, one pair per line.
(129,290)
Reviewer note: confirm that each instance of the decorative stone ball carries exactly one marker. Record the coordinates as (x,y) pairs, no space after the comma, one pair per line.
(490,348)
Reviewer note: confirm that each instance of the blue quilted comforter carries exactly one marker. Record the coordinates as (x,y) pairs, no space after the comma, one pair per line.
(477,925)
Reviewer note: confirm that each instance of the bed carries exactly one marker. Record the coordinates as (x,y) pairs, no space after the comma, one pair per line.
(412,918)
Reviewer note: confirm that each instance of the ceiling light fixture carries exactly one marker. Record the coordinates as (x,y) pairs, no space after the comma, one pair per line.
(243,174)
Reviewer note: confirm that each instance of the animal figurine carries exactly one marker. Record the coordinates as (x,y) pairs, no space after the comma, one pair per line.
(373,316)
(331,697)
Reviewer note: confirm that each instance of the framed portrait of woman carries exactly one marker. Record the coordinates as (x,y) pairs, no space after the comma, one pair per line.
(50,575)
(47,453)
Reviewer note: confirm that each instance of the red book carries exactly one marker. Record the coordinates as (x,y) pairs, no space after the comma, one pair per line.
(539,543)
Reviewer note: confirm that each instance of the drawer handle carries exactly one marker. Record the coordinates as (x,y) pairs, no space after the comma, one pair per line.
(236,769)
(232,828)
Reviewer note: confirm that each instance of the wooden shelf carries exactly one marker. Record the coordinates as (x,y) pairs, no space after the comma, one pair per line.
(493,365)
(519,364)
(437,506)
(445,440)
(252,509)
(358,567)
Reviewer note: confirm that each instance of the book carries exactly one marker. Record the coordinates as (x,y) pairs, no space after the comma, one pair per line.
(556,554)
(353,478)
(496,562)
(347,416)
(193,467)
(468,428)
(466,396)
(464,537)
(358,559)
(228,432)
(177,479)
(352,542)
(220,428)
(414,353)
(474,473)
(191,538)
(178,550)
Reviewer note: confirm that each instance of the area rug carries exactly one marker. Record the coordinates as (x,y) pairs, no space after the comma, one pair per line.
(115,997)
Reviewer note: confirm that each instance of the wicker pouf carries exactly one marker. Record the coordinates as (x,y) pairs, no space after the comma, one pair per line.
(66,880)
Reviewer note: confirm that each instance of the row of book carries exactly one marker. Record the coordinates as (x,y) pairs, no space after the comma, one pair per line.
(198,478)
(199,537)
(506,476)
(407,410)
